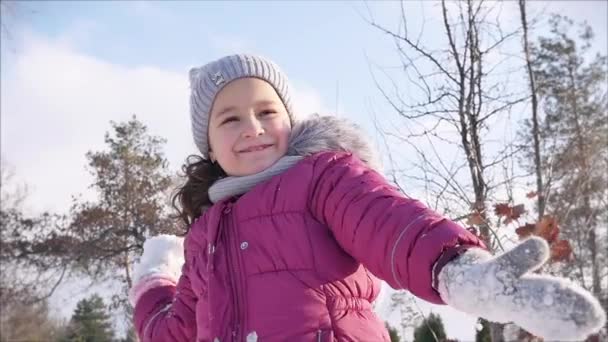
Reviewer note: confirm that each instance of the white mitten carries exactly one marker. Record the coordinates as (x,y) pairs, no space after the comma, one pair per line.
(160,265)
(502,289)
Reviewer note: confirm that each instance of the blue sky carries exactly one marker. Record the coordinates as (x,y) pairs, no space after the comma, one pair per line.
(68,68)
(321,43)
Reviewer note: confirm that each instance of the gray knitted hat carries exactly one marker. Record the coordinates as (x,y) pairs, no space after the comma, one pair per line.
(208,80)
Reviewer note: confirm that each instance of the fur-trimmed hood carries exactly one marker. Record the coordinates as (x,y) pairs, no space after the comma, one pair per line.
(328,133)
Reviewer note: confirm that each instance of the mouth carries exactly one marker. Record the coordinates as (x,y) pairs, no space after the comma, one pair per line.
(255,148)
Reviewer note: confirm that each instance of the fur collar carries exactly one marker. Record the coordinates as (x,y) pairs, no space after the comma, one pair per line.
(328,133)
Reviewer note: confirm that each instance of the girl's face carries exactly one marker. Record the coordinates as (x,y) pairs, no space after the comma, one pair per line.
(248,127)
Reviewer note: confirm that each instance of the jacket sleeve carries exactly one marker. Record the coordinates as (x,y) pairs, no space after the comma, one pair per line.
(397,238)
(168,312)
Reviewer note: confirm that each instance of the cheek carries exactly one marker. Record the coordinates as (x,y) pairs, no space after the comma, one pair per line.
(285,139)
(221,142)
(282,130)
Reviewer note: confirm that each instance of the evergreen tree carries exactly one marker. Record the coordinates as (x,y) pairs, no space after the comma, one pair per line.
(90,322)
(392,333)
(430,330)
(483,335)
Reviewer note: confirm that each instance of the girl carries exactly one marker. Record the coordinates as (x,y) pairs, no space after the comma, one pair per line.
(291,228)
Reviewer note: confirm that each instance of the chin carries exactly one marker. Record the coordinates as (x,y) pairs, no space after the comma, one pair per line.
(261,166)
(253,164)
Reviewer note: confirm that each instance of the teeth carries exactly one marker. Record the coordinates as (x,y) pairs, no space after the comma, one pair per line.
(255,149)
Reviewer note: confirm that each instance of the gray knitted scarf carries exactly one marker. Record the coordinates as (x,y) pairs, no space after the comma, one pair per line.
(315,134)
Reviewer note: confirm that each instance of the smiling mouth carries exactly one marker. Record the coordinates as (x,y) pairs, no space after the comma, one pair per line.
(256,148)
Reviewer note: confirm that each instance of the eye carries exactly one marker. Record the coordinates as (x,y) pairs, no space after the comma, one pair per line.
(229,119)
(267,112)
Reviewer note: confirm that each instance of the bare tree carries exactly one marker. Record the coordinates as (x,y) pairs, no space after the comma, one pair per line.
(410,315)
(7,11)
(11,11)
(30,274)
(457,96)
(571,84)
(12,194)
(29,322)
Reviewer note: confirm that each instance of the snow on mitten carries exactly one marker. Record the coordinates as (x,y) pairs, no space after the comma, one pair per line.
(502,289)
(160,265)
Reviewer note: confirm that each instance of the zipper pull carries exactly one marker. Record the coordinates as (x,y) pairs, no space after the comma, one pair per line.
(235,331)
(252,337)
(210,254)
(227,208)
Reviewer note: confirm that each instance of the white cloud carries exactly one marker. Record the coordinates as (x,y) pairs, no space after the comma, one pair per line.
(307,101)
(57,104)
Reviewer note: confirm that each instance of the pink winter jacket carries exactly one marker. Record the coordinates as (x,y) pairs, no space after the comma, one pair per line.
(298,258)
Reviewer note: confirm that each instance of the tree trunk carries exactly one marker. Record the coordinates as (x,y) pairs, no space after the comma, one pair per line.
(470,127)
(535,132)
(496,331)
(128,270)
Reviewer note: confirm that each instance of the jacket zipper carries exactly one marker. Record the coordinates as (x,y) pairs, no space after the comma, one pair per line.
(232,271)
(240,285)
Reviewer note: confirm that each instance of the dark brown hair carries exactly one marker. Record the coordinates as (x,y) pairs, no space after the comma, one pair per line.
(193,196)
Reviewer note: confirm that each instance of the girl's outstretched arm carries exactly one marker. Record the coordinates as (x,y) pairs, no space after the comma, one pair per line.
(162,294)
(412,247)
(397,238)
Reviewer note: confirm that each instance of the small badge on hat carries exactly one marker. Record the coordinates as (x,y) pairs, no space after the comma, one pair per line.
(217,78)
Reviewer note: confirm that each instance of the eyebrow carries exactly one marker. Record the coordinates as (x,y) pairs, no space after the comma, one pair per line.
(257,104)
(225,110)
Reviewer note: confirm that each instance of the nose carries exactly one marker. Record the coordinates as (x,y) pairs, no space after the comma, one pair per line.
(253,127)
